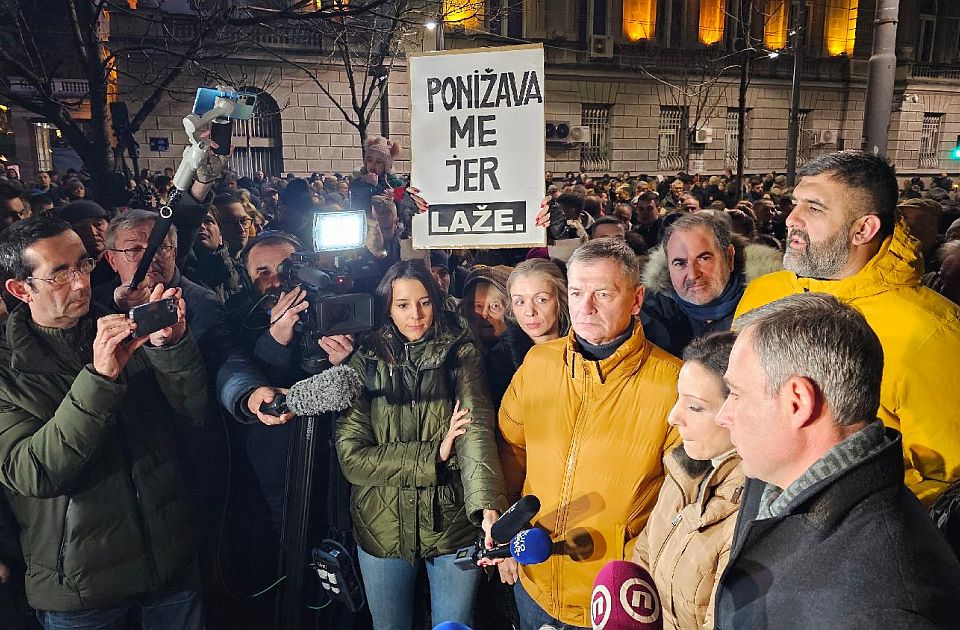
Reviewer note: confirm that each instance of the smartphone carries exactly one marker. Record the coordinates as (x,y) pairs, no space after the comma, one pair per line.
(154,316)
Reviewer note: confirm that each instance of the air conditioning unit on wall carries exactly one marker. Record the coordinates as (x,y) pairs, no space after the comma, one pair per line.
(701,135)
(580,134)
(561,132)
(601,47)
(827,136)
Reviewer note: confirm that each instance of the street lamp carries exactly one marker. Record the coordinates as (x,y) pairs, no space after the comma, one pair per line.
(431,24)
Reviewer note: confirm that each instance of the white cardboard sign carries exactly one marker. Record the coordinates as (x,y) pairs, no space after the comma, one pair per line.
(476,146)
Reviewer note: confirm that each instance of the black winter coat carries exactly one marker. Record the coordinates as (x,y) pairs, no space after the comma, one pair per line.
(504,359)
(856,550)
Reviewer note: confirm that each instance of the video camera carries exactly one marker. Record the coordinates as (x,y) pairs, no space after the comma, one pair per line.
(329,280)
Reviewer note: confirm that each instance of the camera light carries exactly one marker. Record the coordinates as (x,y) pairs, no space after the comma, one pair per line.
(336,231)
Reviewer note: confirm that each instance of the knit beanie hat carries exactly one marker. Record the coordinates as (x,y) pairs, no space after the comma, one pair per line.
(496,276)
(380,147)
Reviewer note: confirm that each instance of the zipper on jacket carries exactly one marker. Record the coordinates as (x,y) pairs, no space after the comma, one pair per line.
(61,554)
(567,489)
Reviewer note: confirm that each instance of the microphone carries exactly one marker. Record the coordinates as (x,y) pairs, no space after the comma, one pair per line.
(625,598)
(334,389)
(531,546)
(451,625)
(516,518)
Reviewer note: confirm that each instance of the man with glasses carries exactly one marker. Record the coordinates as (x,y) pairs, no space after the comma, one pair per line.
(126,240)
(234,222)
(87,462)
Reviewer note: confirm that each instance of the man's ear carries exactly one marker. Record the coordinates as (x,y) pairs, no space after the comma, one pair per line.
(19,289)
(111,257)
(867,227)
(638,304)
(802,400)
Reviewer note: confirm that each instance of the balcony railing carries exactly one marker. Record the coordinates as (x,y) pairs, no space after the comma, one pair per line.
(183,28)
(62,88)
(935,71)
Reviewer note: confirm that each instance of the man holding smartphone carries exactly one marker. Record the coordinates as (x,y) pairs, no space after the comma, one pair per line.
(86,441)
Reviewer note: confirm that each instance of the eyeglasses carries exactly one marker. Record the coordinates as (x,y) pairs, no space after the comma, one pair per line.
(66,276)
(134,254)
(244,221)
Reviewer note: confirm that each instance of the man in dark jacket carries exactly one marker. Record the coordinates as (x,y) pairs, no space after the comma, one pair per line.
(696,279)
(86,451)
(828,536)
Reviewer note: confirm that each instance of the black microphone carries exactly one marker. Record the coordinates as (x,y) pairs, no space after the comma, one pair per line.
(516,518)
(334,389)
(530,546)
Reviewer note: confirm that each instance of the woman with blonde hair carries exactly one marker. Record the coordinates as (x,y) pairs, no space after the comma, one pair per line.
(537,312)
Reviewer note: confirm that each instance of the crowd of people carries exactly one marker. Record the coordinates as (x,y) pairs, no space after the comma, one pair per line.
(744,388)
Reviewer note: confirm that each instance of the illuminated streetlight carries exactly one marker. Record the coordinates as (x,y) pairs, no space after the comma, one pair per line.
(773,54)
(431,25)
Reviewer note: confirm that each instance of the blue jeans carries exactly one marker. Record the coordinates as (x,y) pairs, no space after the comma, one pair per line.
(176,610)
(532,617)
(388,584)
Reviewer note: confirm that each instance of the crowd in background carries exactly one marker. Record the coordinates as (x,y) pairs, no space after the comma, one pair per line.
(489,374)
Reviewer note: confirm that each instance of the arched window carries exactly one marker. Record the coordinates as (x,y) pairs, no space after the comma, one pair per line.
(257,141)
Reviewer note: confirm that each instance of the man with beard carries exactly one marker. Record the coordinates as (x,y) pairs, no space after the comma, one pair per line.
(695,280)
(210,263)
(844,238)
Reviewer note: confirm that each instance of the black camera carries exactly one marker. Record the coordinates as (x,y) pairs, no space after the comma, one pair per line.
(330,280)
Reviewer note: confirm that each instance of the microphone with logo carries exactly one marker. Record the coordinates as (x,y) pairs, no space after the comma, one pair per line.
(334,389)
(625,598)
(530,546)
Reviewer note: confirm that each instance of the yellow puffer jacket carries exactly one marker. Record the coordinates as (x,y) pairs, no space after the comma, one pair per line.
(587,438)
(920,334)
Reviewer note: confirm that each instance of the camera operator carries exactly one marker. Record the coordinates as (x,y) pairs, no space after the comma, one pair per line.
(86,451)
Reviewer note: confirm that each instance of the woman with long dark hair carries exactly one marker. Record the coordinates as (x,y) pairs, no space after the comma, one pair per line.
(419,451)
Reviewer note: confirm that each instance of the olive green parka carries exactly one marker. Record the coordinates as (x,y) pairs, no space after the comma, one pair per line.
(404,502)
(88,464)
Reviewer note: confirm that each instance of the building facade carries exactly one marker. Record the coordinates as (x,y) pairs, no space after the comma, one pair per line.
(644,86)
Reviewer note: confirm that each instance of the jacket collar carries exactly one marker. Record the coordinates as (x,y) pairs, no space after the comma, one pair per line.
(51,352)
(828,501)
(896,264)
(720,494)
(623,363)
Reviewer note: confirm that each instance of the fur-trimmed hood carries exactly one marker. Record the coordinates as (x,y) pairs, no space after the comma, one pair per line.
(752,259)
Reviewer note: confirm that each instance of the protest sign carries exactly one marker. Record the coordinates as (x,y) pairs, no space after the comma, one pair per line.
(476,146)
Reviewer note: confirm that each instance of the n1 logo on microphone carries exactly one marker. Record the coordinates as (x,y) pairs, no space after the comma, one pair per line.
(637,598)
(504,217)
(640,600)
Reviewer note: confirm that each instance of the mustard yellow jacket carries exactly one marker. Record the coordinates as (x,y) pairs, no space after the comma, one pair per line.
(920,334)
(587,438)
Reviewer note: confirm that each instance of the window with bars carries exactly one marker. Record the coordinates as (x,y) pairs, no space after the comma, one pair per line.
(256,141)
(671,149)
(41,136)
(930,141)
(803,136)
(732,137)
(596,156)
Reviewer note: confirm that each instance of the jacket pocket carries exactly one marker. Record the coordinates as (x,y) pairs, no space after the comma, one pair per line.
(62,551)
(447,505)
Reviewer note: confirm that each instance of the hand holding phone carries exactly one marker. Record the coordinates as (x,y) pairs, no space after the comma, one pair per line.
(163,318)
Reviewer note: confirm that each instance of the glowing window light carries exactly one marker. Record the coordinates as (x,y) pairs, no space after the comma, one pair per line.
(775,26)
(712,17)
(840,30)
(639,19)
(466,13)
